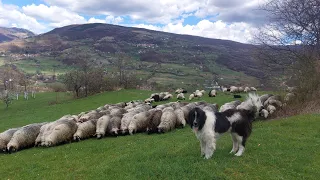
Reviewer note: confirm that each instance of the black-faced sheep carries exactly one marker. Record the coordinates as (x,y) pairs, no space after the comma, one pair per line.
(5,137)
(24,137)
(234,89)
(85,130)
(168,120)
(264,97)
(167,97)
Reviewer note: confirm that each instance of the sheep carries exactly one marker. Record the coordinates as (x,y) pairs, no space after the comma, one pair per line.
(156,97)
(253,89)
(117,111)
(120,105)
(85,130)
(246,89)
(181,121)
(179,90)
(224,89)
(5,137)
(288,97)
(167,97)
(153,123)
(125,121)
(264,113)
(234,89)
(180,96)
(264,97)
(241,89)
(61,133)
(24,137)
(198,94)
(213,93)
(168,120)
(102,125)
(114,125)
(273,100)
(140,122)
(230,105)
(149,100)
(161,96)
(90,115)
(271,109)
(203,91)
(191,96)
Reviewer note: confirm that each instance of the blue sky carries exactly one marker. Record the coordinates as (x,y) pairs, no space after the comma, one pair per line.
(233,20)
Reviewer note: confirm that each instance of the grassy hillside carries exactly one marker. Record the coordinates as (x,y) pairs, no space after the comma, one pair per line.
(230,63)
(279,149)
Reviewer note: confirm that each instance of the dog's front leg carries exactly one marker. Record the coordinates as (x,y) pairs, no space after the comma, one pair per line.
(202,147)
(210,147)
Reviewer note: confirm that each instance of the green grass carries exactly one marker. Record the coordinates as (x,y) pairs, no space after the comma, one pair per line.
(44,65)
(278,149)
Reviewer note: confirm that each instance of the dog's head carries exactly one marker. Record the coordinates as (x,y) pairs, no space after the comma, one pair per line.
(197,119)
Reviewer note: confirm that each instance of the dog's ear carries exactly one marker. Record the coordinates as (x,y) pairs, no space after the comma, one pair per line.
(191,116)
(201,118)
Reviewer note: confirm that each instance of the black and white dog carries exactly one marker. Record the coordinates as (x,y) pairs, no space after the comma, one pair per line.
(208,125)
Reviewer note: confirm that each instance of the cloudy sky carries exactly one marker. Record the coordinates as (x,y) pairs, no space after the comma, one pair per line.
(235,20)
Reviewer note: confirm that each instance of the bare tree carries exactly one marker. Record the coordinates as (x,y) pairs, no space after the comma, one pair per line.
(291,39)
(74,81)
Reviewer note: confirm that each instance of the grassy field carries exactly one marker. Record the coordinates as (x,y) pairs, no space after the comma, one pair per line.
(278,149)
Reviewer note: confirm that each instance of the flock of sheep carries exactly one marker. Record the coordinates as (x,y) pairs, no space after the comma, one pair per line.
(120,119)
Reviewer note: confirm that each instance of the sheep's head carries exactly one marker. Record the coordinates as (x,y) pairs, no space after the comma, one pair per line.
(12,148)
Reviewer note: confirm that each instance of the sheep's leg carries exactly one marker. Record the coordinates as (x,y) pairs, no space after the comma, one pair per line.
(242,142)
(235,143)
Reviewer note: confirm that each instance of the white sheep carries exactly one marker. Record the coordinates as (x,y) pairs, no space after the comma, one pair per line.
(140,122)
(203,91)
(241,89)
(90,115)
(234,89)
(102,125)
(125,121)
(246,89)
(168,120)
(271,109)
(117,112)
(61,133)
(181,121)
(85,130)
(167,97)
(5,137)
(191,97)
(213,93)
(114,125)
(264,113)
(149,100)
(288,97)
(198,94)
(24,137)
(180,96)
(253,89)
(224,89)
(230,105)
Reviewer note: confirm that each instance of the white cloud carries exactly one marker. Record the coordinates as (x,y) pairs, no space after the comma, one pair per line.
(94,20)
(241,32)
(114,20)
(10,16)
(53,14)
